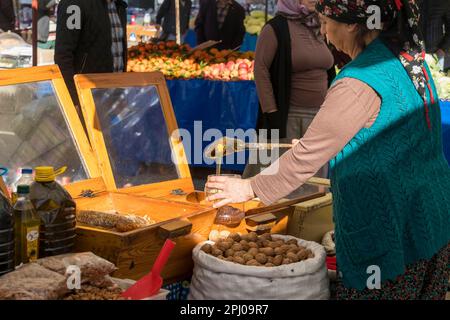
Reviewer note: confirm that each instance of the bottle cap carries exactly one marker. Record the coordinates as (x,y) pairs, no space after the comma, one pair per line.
(44,174)
(27,171)
(47,174)
(23,189)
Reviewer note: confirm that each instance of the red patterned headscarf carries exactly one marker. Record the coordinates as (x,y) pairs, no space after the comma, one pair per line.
(406,41)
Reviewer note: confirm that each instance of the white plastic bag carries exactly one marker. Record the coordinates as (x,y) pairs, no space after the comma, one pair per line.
(215,279)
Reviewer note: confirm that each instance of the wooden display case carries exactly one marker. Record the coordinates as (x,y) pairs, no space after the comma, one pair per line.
(115,107)
(39,125)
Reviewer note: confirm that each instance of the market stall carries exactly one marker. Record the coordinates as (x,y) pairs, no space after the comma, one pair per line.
(164,186)
(128,177)
(123,215)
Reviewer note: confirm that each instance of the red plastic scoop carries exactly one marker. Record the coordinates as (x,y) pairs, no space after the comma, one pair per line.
(150,284)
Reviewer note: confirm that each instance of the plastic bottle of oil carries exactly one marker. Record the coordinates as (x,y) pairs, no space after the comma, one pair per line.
(26,227)
(7,246)
(56,209)
(25,179)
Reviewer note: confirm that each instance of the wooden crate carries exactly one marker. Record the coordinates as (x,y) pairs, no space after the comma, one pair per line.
(134,252)
(312,219)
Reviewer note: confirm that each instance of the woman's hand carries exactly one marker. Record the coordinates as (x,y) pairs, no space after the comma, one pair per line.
(230,190)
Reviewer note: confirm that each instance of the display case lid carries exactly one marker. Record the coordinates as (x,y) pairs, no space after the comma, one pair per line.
(39,125)
(133,130)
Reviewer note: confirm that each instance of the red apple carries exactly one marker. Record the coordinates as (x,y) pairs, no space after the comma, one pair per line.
(243,66)
(243,72)
(215,72)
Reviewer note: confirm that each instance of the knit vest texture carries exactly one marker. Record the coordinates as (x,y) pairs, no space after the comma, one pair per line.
(391,182)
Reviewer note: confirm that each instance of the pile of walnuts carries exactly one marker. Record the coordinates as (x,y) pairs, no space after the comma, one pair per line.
(253,250)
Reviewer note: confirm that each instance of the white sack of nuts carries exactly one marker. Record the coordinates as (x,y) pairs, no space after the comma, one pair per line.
(241,273)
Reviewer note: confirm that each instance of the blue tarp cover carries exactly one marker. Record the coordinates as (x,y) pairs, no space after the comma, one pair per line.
(218,104)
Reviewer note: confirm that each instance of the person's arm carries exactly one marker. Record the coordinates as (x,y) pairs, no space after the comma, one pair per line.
(349,106)
(266,48)
(200,22)
(66,45)
(163,11)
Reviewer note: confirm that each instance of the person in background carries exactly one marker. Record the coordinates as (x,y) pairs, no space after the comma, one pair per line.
(291,64)
(7,16)
(221,20)
(380,128)
(99,46)
(167,14)
(436,26)
(293,70)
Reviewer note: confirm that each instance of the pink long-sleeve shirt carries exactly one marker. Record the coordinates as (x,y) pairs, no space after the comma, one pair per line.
(349,106)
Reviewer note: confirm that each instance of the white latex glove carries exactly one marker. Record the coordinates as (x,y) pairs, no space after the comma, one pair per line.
(231,190)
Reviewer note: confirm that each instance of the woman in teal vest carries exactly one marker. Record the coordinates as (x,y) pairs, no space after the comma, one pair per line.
(380,128)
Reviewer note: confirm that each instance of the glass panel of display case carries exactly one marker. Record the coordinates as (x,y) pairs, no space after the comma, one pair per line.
(135,134)
(34,132)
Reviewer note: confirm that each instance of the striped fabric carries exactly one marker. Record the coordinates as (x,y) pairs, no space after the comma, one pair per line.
(117,34)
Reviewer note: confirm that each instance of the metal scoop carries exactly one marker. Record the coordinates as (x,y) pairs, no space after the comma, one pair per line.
(231,145)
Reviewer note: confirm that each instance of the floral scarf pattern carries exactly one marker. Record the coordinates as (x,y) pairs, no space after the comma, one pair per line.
(410,52)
